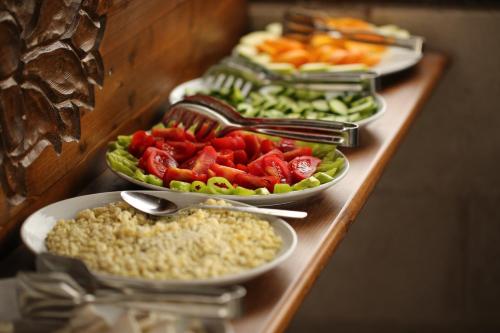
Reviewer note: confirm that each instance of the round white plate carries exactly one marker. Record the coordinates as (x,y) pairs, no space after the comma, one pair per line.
(256,200)
(37,226)
(396,59)
(197,84)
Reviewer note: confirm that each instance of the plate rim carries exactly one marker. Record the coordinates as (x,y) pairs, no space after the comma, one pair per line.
(223,280)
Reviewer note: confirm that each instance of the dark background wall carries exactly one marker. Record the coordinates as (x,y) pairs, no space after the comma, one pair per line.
(424,254)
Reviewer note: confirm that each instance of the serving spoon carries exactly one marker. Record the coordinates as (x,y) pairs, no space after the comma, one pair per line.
(156,206)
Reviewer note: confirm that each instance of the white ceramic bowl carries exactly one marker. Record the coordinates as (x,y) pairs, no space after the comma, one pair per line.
(256,200)
(197,84)
(37,226)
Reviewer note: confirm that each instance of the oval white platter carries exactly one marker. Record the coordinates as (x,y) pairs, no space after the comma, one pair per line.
(256,200)
(37,226)
(396,59)
(197,84)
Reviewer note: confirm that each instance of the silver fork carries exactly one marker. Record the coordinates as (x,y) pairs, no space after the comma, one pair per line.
(237,72)
(302,24)
(209,117)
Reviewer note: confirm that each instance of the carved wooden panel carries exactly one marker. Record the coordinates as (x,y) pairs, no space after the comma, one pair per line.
(49,65)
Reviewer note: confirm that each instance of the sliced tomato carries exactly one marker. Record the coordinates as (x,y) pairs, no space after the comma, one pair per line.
(276,167)
(140,142)
(205,158)
(242,167)
(170,134)
(287,145)
(301,151)
(184,175)
(225,157)
(180,151)
(257,168)
(228,142)
(157,161)
(211,173)
(303,167)
(252,146)
(240,156)
(226,172)
(190,136)
(253,182)
(267,145)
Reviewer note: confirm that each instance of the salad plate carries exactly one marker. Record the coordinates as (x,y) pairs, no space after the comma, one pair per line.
(257,200)
(37,226)
(197,84)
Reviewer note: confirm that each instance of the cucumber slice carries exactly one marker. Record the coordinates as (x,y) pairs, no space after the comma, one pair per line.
(256,98)
(281,67)
(361,101)
(294,115)
(273,113)
(337,106)
(312,95)
(272,90)
(366,106)
(348,68)
(275,28)
(320,105)
(311,115)
(354,117)
(314,67)
(247,51)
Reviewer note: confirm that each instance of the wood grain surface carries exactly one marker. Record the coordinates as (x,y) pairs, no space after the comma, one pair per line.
(274,298)
(148,48)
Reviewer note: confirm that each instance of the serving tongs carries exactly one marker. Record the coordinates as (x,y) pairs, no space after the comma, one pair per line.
(301,24)
(210,117)
(63,284)
(238,72)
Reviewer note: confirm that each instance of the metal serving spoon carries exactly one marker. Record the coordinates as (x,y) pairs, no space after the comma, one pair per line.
(157,206)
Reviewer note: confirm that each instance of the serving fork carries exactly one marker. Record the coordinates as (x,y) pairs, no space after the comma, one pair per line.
(302,24)
(210,117)
(238,72)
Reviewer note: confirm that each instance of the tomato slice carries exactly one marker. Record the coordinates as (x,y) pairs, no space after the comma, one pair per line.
(226,157)
(253,182)
(184,175)
(287,145)
(301,151)
(242,167)
(157,161)
(180,151)
(206,157)
(228,142)
(273,166)
(252,146)
(302,167)
(267,145)
(240,156)
(170,134)
(226,172)
(140,142)
(257,168)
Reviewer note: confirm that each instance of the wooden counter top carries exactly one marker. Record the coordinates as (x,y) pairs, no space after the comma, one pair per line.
(274,298)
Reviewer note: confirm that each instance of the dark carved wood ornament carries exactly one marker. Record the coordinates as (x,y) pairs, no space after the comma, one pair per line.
(49,66)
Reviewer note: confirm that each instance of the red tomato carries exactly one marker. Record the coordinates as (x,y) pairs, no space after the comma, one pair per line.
(140,142)
(225,157)
(180,151)
(302,151)
(252,146)
(228,142)
(287,145)
(257,168)
(211,173)
(170,134)
(157,161)
(242,167)
(206,157)
(273,166)
(226,172)
(184,175)
(303,167)
(240,156)
(267,145)
(253,182)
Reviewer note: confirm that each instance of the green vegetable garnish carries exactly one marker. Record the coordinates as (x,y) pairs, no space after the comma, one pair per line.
(262,191)
(180,186)
(153,180)
(306,183)
(199,187)
(243,191)
(323,177)
(219,185)
(282,188)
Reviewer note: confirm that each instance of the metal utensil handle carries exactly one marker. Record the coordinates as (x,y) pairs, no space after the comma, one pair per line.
(257,210)
(309,137)
(412,42)
(304,124)
(325,86)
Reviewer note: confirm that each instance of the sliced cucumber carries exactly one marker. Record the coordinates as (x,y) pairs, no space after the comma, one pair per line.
(337,106)
(320,105)
(314,67)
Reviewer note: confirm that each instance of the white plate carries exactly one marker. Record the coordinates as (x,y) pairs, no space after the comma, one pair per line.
(37,226)
(197,84)
(396,59)
(256,200)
